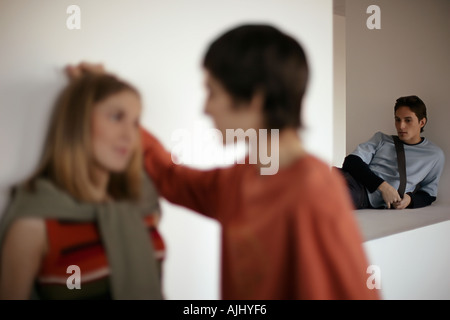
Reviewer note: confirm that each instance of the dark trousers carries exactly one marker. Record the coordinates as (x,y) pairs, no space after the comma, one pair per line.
(357,191)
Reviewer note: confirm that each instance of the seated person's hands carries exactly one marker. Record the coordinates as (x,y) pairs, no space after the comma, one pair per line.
(404,203)
(390,194)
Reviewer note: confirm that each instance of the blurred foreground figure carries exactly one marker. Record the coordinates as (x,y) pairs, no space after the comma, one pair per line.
(290,235)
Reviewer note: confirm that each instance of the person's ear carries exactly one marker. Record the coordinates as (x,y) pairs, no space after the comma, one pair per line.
(423,122)
(257,101)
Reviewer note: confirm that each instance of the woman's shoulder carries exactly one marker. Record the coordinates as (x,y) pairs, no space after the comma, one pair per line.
(35,190)
(28,225)
(24,211)
(29,197)
(27,233)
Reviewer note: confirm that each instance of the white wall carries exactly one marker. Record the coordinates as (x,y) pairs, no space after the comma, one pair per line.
(158,46)
(409,55)
(339,91)
(413,264)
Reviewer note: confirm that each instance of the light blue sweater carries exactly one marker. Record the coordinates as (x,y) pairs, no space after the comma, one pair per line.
(424,165)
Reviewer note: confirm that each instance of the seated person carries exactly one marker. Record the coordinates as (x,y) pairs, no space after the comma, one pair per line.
(371,170)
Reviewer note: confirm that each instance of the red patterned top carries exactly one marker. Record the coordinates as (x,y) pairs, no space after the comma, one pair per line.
(75,243)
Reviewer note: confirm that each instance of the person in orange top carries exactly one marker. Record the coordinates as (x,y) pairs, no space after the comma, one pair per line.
(288,235)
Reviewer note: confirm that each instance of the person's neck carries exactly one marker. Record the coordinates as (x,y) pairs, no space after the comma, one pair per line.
(281,150)
(415,140)
(100,179)
(290,146)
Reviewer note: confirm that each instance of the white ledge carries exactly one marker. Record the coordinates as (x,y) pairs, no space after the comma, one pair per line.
(376,223)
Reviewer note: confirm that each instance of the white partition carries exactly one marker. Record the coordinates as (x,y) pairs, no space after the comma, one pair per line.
(413,264)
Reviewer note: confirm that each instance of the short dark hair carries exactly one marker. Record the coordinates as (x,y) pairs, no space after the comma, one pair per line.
(415,104)
(250,58)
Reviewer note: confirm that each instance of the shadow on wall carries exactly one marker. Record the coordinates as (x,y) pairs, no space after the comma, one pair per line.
(23,128)
(4,197)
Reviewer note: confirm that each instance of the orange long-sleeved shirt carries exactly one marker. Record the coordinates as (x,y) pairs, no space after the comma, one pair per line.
(291,235)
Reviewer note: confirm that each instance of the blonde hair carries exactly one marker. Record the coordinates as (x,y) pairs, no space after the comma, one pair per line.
(67,159)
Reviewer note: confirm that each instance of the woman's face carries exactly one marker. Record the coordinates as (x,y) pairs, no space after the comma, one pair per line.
(115,130)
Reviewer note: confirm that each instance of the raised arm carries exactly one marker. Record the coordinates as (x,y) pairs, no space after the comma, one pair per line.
(195,189)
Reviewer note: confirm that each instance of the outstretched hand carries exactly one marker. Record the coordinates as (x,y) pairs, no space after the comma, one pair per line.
(75,71)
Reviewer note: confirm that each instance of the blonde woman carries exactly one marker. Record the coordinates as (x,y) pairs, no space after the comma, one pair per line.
(84,225)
